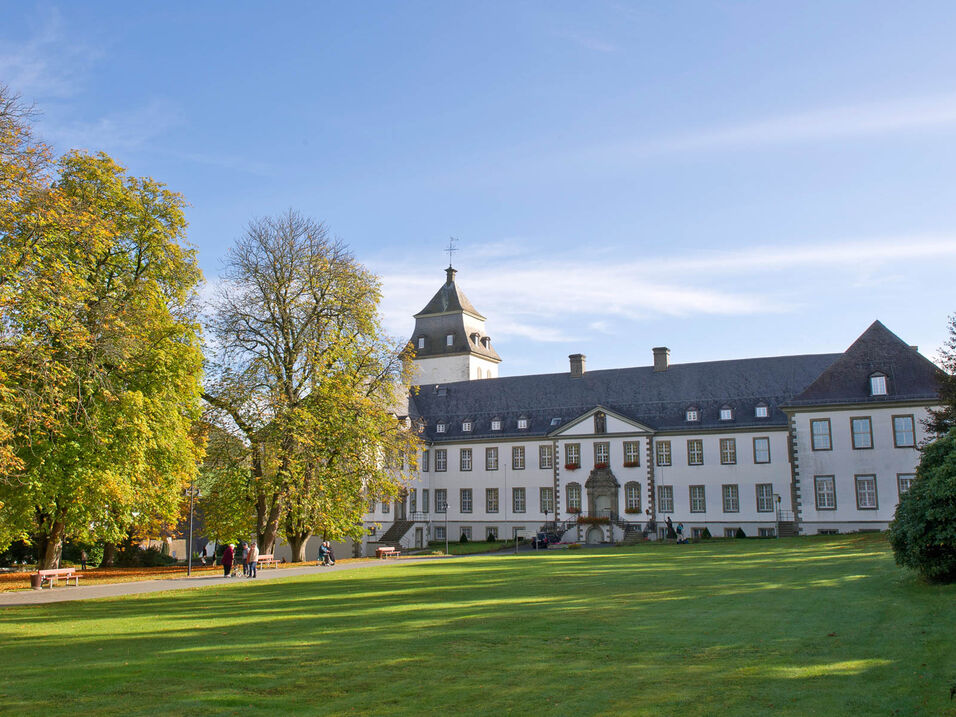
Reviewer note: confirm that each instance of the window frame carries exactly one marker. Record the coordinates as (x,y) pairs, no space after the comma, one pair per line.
(769,499)
(495,424)
(425,500)
(570,448)
(441,500)
(761,410)
(466,500)
(491,452)
(602,447)
(692,415)
(546,499)
(879,380)
(632,503)
(522,424)
(853,432)
(465,461)
(818,481)
(425,461)
(492,500)
(662,449)
(726,413)
(868,477)
(761,438)
(517,458)
(449,339)
(572,497)
(699,444)
(545,456)
(517,491)
(701,501)
(441,460)
(912,431)
(900,477)
(632,454)
(813,436)
(730,495)
(466,426)
(665,499)
(728,451)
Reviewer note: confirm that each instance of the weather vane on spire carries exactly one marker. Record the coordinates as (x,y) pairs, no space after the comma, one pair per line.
(451,249)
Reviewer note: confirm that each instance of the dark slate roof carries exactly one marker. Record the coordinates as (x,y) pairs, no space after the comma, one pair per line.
(909,376)
(656,399)
(448,298)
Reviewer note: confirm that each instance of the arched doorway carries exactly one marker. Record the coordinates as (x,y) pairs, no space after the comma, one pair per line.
(603,490)
(595,536)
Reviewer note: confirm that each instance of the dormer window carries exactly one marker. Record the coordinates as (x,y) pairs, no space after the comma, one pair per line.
(440,427)
(522,423)
(421,342)
(449,340)
(495,424)
(878,384)
(485,341)
(692,414)
(761,411)
(555,421)
(466,426)
(726,413)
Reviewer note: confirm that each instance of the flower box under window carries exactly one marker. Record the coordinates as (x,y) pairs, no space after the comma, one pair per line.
(600,465)
(631,464)
(593,520)
(572,466)
(574,510)
(632,511)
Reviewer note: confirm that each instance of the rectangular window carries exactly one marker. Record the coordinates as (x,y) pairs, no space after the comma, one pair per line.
(728,451)
(904,436)
(546,496)
(491,533)
(465,459)
(663,449)
(698,499)
(546,457)
(825,492)
(632,497)
(767,532)
(522,424)
(602,454)
(518,500)
(820,434)
(413,501)
(572,455)
(421,342)
(761,412)
(491,500)
(632,453)
(441,459)
(730,532)
(573,494)
(496,424)
(441,500)
(466,531)
(449,339)
(424,500)
(731,496)
(878,385)
(904,481)
(765,497)
(517,458)
(861,429)
(697,533)
(491,459)
(424,461)
(386,506)
(866,492)
(761,450)
(465,500)
(466,426)
(695,452)
(439,532)
(665,498)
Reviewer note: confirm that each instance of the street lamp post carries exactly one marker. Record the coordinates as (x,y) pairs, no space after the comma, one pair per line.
(446,523)
(189,547)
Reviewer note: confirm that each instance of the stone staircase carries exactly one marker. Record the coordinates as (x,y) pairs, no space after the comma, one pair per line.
(396,531)
(632,534)
(787,529)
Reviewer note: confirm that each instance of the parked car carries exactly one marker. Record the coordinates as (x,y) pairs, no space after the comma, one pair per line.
(543,540)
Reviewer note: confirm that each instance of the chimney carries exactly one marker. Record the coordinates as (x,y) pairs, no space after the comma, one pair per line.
(450,275)
(577,365)
(661,358)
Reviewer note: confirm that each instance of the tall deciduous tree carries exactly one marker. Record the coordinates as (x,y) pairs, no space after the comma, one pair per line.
(101,355)
(943,418)
(306,376)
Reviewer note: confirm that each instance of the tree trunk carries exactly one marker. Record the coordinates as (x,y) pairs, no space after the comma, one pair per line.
(50,547)
(298,543)
(267,538)
(109,555)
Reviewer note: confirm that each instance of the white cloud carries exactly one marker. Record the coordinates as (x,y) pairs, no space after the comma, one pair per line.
(119,131)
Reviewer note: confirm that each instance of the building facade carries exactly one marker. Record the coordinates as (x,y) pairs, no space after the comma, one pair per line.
(772,446)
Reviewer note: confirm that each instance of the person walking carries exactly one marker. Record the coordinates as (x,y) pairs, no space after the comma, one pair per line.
(82,560)
(227,555)
(253,558)
(671,534)
(245,560)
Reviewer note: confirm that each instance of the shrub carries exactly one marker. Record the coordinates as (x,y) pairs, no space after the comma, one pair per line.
(740,534)
(706,534)
(923,531)
(463,538)
(574,546)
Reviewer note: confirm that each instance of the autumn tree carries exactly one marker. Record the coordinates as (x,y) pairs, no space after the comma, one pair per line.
(943,419)
(101,359)
(307,379)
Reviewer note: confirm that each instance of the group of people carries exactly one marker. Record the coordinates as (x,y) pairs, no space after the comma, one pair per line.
(675,533)
(326,556)
(250,559)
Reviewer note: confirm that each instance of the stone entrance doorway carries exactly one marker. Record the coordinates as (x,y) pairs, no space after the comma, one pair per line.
(603,493)
(595,535)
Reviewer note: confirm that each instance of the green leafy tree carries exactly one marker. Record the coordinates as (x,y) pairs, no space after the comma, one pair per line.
(923,531)
(307,378)
(226,494)
(101,356)
(942,419)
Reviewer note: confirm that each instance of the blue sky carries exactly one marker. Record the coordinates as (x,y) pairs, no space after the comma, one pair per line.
(728,180)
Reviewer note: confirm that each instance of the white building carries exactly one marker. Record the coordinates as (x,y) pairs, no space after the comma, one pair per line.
(773,446)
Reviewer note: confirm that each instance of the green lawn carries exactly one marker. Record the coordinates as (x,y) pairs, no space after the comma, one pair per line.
(805,626)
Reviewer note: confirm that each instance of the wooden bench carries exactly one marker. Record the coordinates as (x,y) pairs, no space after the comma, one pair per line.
(387,552)
(51,576)
(265,561)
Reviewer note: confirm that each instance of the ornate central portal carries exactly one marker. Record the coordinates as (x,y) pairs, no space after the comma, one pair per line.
(603,492)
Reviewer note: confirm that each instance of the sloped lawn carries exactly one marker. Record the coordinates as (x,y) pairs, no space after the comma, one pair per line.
(805,626)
